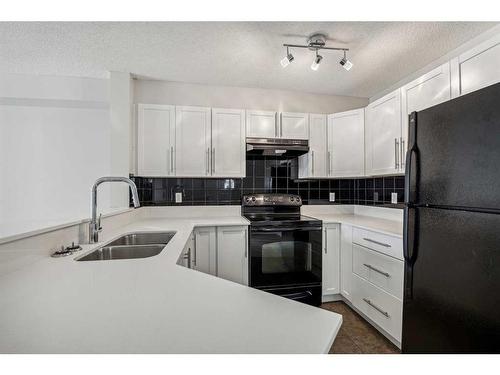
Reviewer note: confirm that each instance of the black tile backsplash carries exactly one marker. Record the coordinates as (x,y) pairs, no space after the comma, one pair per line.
(268,175)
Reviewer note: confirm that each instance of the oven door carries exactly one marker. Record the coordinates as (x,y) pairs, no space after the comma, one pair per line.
(285,256)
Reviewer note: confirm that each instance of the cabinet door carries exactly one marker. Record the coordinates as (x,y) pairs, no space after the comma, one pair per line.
(314,163)
(228,143)
(424,92)
(476,68)
(155,140)
(205,253)
(186,257)
(383,133)
(232,254)
(346,143)
(346,261)
(294,125)
(331,259)
(192,141)
(261,124)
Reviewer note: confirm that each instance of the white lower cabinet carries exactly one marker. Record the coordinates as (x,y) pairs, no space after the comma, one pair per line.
(218,251)
(345,261)
(205,250)
(331,260)
(382,308)
(232,254)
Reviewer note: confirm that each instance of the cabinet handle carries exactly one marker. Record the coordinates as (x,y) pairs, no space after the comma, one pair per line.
(208,160)
(376,270)
(213,160)
(396,153)
(326,243)
(385,313)
(312,162)
(187,256)
(171,158)
(281,130)
(376,242)
(402,143)
(276,127)
(329,163)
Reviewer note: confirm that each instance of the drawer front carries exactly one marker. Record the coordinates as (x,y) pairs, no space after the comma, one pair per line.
(381,307)
(381,270)
(383,243)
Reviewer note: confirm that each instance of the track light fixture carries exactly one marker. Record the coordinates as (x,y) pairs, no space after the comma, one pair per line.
(317,60)
(285,61)
(346,64)
(315,43)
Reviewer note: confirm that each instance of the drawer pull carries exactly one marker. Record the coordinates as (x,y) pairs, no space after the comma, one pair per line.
(376,270)
(376,242)
(385,313)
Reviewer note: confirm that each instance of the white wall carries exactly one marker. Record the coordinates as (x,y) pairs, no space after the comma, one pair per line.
(164,92)
(55,138)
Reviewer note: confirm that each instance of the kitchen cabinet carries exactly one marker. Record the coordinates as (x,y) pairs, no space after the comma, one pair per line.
(155,140)
(205,250)
(383,135)
(293,125)
(185,259)
(476,68)
(192,141)
(346,143)
(331,259)
(345,261)
(430,89)
(314,163)
(261,124)
(232,254)
(228,152)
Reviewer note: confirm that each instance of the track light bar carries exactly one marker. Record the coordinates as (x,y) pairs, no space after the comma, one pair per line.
(315,43)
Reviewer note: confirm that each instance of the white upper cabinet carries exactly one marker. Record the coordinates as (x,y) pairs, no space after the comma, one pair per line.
(261,124)
(346,143)
(228,143)
(155,140)
(383,135)
(476,68)
(426,91)
(294,125)
(314,163)
(192,141)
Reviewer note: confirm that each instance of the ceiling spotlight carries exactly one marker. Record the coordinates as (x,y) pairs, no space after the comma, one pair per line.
(317,60)
(346,64)
(285,61)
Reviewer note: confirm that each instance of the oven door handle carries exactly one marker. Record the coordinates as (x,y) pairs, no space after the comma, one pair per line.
(297,295)
(277,229)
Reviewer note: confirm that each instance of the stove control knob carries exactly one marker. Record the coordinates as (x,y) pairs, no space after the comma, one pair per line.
(247,199)
(291,199)
(298,199)
(253,199)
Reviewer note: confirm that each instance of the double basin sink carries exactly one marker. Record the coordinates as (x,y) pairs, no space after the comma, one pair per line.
(131,246)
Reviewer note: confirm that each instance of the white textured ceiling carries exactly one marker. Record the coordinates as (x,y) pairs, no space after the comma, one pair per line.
(243,54)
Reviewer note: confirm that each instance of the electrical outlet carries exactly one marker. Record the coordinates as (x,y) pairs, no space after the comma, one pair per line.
(178,197)
(394,197)
(332,197)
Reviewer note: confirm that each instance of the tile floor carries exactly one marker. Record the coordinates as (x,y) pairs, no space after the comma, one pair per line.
(356,336)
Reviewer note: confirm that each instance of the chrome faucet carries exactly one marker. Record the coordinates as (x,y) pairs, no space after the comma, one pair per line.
(95,224)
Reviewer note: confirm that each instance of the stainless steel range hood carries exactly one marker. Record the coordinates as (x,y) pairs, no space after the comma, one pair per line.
(277,146)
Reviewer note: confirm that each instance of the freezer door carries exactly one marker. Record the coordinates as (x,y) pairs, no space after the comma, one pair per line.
(452,282)
(454,152)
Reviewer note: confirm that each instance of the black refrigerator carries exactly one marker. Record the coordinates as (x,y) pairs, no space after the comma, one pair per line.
(452,227)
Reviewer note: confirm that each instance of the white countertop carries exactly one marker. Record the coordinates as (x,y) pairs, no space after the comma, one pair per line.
(390,227)
(151,305)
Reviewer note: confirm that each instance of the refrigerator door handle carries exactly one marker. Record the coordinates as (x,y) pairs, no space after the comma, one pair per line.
(412,130)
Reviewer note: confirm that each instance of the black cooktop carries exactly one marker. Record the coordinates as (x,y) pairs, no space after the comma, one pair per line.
(280,219)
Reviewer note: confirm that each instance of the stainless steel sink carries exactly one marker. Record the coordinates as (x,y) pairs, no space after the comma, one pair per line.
(143,239)
(123,252)
(131,246)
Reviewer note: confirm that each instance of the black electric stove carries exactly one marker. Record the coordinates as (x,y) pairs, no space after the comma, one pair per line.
(285,247)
